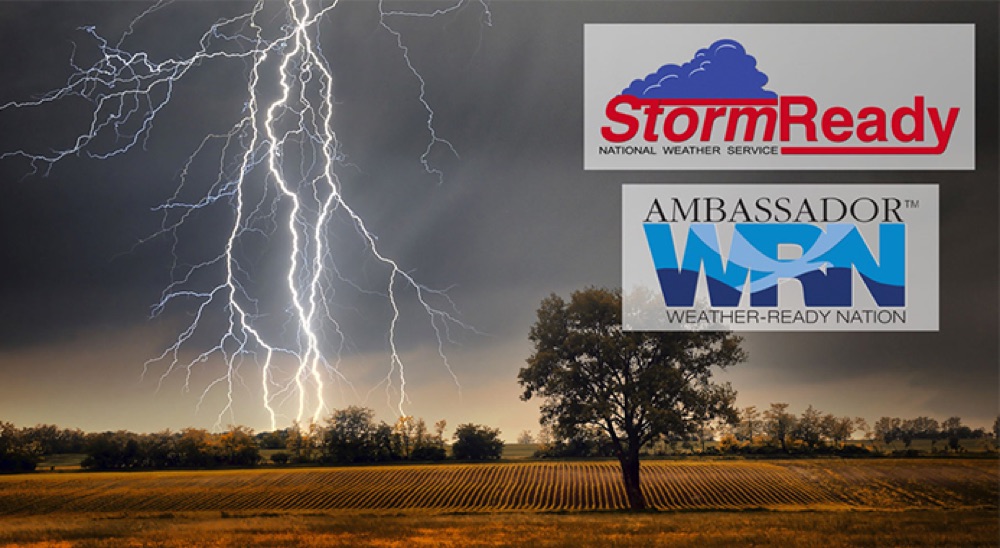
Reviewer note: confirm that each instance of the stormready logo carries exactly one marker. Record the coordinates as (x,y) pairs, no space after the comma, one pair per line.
(780,257)
(779,97)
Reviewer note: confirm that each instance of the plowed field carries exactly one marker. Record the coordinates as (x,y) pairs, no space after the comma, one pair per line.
(533,486)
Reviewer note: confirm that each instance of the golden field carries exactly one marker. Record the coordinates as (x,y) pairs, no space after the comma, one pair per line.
(959,528)
(929,502)
(530,486)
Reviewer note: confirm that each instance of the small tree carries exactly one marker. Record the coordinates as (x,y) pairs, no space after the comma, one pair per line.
(716,410)
(477,442)
(861,425)
(525,438)
(385,443)
(809,427)
(406,433)
(427,446)
(45,437)
(907,431)
(273,440)
(17,453)
(838,429)
(350,436)
(196,448)
(304,442)
(779,424)
(953,430)
(239,447)
(887,430)
(161,450)
(749,424)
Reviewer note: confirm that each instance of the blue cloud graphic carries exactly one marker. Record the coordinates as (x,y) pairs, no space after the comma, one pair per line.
(720,71)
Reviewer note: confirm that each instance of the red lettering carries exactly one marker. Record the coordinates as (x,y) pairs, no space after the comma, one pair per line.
(630,121)
(805,119)
(653,111)
(756,120)
(874,129)
(917,114)
(711,115)
(671,121)
(943,131)
(752,114)
(835,118)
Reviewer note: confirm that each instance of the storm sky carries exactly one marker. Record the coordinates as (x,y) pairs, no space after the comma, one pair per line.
(514,218)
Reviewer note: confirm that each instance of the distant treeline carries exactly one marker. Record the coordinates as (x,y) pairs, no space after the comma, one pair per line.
(347,436)
(352,436)
(778,431)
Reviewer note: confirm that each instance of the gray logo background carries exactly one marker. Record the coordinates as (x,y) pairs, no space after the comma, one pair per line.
(853,66)
(639,279)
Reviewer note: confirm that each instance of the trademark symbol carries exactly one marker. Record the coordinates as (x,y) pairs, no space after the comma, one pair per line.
(911,204)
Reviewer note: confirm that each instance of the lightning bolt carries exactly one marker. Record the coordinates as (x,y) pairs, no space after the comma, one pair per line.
(276,178)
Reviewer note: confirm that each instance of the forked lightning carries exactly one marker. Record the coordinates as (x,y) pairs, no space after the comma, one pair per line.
(276,177)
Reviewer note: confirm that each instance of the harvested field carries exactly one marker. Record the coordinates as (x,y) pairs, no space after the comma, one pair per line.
(887,484)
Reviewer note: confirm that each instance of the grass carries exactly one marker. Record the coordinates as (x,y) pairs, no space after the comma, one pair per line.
(519,450)
(828,529)
(62,461)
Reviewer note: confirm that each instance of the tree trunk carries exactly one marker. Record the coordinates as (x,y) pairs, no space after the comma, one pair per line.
(630,474)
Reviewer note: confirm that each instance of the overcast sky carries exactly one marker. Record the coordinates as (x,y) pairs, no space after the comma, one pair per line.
(514,218)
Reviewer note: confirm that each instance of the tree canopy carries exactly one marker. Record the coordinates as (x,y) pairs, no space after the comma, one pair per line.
(635,386)
(477,442)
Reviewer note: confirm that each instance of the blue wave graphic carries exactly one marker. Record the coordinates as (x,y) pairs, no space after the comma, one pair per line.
(824,268)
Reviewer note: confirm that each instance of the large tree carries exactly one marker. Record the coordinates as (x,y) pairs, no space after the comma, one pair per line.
(635,386)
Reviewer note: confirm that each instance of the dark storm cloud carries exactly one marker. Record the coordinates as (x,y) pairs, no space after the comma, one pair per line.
(69,236)
(515,217)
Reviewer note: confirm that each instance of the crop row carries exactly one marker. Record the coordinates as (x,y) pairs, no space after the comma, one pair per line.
(537,486)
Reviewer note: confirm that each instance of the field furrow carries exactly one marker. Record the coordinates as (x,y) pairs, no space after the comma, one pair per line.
(526,486)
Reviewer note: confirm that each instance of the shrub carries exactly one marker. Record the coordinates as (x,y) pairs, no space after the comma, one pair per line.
(428,452)
(477,442)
